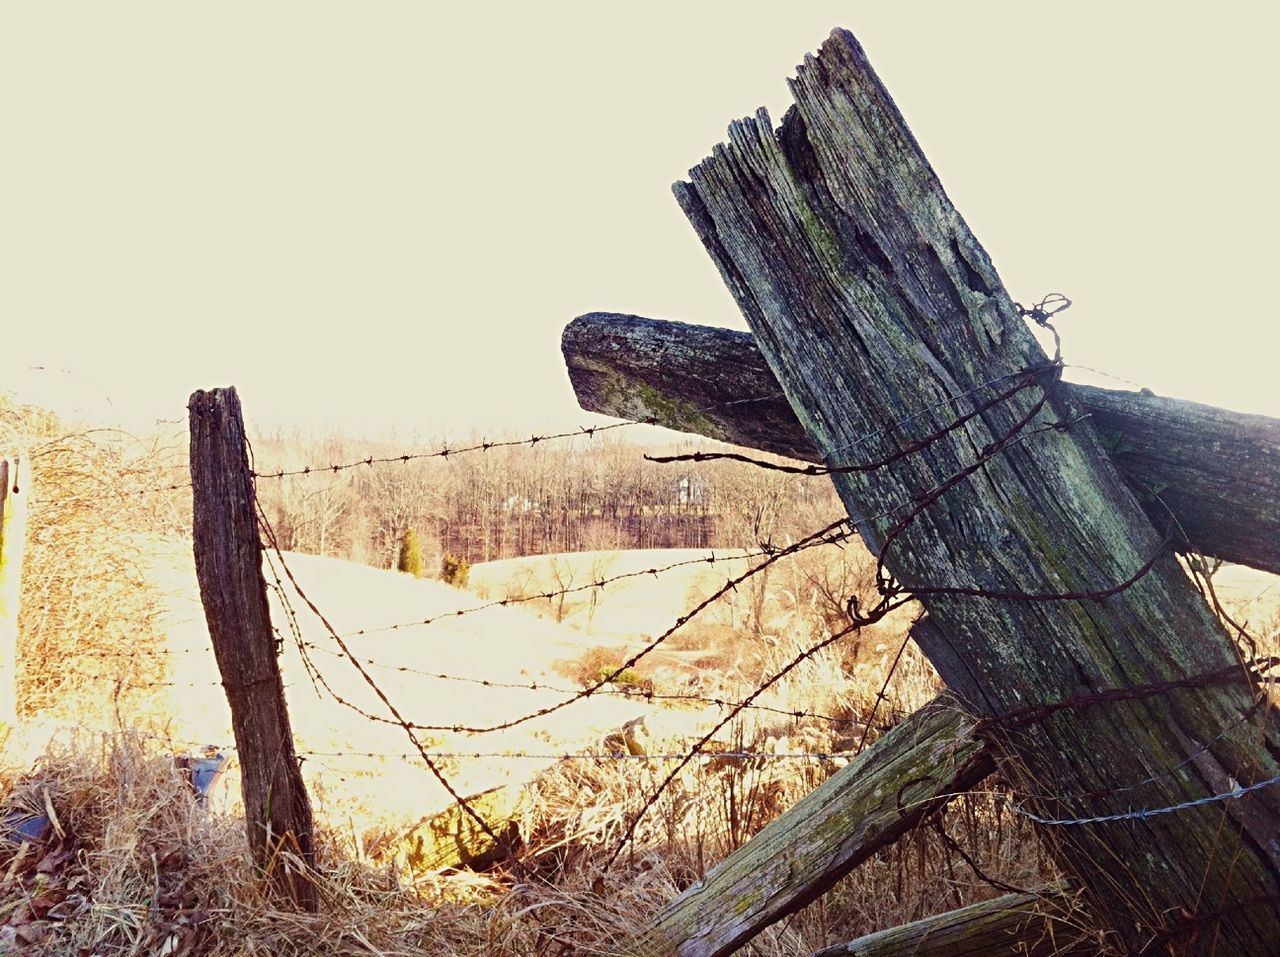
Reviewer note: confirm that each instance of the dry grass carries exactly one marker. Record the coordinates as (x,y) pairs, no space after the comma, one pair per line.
(89,534)
(134,866)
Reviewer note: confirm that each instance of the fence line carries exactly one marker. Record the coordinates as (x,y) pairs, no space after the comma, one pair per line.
(891,595)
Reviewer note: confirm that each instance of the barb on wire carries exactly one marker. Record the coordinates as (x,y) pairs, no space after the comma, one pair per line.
(176,487)
(486,445)
(1136,815)
(432,766)
(710,559)
(836,531)
(702,742)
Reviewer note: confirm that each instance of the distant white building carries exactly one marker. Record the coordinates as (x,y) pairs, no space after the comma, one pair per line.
(691,490)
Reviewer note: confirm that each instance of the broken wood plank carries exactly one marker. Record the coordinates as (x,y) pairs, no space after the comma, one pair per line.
(1216,472)
(871,300)
(1016,925)
(886,791)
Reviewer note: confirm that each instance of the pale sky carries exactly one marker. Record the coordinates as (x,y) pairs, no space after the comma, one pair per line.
(377,216)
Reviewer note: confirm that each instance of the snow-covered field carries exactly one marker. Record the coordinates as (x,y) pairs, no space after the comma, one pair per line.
(495,644)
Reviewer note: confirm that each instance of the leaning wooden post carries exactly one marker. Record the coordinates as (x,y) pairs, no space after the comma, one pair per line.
(228,554)
(885,321)
(15,485)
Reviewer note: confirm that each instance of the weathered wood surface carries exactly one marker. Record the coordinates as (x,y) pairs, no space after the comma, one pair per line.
(1015,925)
(868,804)
(15,490)
(1216,472)
(871,299)
(228,554)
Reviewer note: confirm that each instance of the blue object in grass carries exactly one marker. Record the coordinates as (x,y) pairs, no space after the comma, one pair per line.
(202,772)
(19,826)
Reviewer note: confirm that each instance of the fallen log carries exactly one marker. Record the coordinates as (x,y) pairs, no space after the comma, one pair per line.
(1216,472)
(1015,925)
(871,299)
(883,793)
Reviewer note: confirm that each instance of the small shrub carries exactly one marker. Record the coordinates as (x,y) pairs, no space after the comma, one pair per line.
(599,663)
(455,570)
(410,560)
(628,680)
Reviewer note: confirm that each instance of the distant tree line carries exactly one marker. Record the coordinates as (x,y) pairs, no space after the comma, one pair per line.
(585,495)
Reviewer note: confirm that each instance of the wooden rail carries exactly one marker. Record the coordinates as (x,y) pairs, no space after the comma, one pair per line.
(1217,473)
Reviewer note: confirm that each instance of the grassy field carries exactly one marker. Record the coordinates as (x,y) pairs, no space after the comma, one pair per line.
(132,865)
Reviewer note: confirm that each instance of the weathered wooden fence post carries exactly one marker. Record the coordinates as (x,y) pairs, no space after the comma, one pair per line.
(715,382)
(228,553)
(15,486)
(884,320)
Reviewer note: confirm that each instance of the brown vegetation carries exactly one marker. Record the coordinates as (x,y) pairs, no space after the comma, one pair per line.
(586,494)
(133,865)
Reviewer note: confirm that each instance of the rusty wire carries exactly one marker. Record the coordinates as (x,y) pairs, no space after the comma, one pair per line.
(409,731)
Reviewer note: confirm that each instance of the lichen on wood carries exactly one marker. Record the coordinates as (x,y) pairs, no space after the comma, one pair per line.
(883,793)
(1040,924)
(902,312)
(1216,473)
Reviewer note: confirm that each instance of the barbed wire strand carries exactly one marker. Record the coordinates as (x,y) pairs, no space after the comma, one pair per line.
(487,446)
(391,708)
(777,676)
(644,694)
(763,551)
(1135,815)
(916,445)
